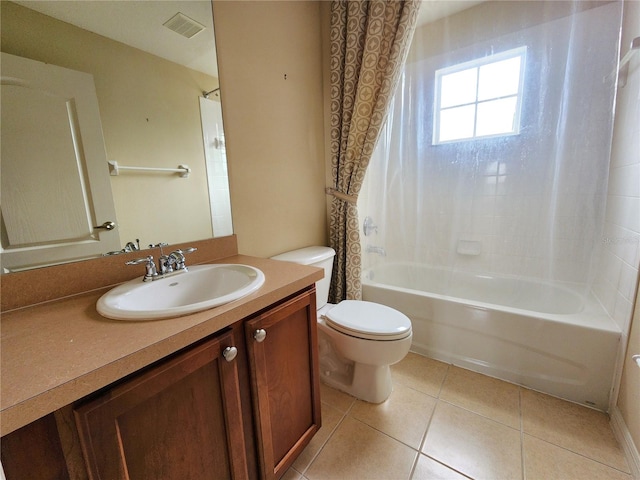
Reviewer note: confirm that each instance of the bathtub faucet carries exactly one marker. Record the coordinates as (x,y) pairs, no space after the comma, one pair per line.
(378,250)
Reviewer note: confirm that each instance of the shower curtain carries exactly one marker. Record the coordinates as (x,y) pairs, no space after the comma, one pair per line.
(529,203)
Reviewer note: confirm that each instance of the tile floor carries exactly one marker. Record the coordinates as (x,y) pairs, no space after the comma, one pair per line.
(444,422)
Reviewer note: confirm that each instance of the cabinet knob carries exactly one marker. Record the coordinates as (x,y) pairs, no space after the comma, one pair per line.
(230,353)
(260,335)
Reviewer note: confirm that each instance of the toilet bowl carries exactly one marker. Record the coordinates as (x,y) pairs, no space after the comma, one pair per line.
(358,340)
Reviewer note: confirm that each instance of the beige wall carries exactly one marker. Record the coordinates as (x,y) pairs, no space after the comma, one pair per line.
(626,169)
(269,55)
(150,117)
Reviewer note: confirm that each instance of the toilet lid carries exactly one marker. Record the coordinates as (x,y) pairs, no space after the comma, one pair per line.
(368,320)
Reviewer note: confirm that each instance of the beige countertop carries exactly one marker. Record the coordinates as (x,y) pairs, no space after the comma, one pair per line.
(55,353)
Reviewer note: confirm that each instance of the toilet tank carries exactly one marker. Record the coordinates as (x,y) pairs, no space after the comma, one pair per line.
(321,257)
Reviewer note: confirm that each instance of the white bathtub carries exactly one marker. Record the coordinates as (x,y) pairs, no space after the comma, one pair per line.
(542,336)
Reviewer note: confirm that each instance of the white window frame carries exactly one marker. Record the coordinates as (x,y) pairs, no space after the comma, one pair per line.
(477,63)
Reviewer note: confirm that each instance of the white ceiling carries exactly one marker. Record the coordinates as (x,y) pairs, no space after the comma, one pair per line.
(139,23)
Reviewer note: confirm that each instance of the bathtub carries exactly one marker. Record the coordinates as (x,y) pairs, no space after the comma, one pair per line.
(542,336)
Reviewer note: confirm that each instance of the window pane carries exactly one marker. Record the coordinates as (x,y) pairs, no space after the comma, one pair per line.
(456,123)
(458,88)
(499,79)
(496,116)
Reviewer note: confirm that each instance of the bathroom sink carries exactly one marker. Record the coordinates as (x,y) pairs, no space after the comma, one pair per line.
(200,288)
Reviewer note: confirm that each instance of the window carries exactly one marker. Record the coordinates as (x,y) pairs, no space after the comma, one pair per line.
(480,98)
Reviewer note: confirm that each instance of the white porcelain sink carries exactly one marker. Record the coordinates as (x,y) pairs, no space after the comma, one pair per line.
(201,288)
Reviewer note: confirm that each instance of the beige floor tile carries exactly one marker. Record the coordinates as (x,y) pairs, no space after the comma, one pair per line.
(544,461)
(330,419)
(291,474)
(429,469)
(472,444)
(357,451)
(487,396)
(577,428)
(404,415)
(336,398)
(420,373)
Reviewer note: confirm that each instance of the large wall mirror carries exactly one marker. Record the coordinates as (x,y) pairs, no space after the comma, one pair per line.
(151,68)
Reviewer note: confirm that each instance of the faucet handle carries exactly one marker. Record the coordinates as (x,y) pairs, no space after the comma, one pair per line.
(178,257)
(138,261)
(150,266)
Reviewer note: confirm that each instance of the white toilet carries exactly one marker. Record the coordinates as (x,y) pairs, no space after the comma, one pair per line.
(358,340)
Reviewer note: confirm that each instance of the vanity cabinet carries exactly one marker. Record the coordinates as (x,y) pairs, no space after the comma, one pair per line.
(240,404)
(178,420)
(283,364)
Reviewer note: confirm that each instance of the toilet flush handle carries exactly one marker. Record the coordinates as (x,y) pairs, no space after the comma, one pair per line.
(259,335)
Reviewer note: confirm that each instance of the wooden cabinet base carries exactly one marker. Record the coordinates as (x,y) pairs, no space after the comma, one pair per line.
(283,359)
(202,413)
(34,451)
(178,420)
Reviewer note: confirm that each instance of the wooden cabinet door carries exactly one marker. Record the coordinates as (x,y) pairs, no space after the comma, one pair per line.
(283,359)
(178,420)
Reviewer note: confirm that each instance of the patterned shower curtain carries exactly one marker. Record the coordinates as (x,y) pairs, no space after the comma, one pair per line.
(369,44)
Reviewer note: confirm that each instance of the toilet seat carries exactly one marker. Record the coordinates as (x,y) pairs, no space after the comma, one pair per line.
(367,320)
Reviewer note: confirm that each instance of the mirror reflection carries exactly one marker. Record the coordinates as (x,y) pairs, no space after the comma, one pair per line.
(151,68)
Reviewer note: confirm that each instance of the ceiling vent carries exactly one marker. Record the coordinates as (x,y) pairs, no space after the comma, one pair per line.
(185,26)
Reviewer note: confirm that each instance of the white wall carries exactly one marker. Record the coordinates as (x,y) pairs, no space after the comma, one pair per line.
(618,276)
(618,272)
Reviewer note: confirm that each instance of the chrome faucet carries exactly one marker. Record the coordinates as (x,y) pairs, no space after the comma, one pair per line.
(368,227)
(128,248)
(132,247)
(378,250)
(151,271)
(177,257)
(165,264)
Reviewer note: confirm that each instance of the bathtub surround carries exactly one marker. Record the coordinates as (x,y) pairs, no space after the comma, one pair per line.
(597,244)
(369,44)
(535,334)
(527,206)
(530,204)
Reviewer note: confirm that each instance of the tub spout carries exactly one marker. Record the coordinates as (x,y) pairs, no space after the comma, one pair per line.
(379,250)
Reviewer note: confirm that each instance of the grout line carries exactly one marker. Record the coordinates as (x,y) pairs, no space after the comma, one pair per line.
(438,404)
(448,466)
(521,417)
(414,465)
(577,453)
(481,415)
(313,459)
(424,436)
(444,379)
(384,433)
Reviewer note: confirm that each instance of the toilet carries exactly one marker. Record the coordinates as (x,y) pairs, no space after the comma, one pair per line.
(357,340)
